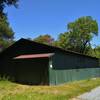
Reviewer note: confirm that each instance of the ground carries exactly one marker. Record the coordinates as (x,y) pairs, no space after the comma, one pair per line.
(13,91)
(92,95)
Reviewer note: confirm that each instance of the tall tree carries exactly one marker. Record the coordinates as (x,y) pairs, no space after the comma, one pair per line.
(3,4)
(80,33)
(45,39)
(6,33)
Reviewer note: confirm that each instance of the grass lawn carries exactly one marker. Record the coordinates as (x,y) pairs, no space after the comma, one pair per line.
(13,91)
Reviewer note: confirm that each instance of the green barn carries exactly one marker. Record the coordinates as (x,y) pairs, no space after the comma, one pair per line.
(29,62)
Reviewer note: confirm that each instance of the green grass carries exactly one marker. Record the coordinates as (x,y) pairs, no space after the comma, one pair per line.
(13,91)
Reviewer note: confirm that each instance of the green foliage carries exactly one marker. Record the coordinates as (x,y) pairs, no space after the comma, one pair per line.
(6,78)
(45,39)
(95,52)
(62,41)
(80,33)
(6,33)
(3,4)
(5,30)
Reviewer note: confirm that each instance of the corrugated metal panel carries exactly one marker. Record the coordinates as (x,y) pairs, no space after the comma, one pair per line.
(70,61)
(64,76)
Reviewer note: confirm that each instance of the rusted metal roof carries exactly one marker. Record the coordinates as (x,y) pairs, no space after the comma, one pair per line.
(27,56)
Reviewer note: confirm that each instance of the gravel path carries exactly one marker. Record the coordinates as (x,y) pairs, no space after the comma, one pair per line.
(92,95)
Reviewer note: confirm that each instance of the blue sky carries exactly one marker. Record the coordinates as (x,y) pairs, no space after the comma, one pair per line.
(38,17)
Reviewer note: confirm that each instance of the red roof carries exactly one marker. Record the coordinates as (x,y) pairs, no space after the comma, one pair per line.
(46,55)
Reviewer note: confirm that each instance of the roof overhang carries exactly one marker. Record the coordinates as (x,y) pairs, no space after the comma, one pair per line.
(30,56)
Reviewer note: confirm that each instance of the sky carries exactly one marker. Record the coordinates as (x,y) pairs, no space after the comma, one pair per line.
(37,17)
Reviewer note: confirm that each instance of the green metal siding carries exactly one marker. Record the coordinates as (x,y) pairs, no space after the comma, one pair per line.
(72,61)
(63,76)
(70,67)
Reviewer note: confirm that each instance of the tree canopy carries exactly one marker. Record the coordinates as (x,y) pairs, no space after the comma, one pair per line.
(79,35)
(45,39)
(3,4)
(6,33)
(95,52)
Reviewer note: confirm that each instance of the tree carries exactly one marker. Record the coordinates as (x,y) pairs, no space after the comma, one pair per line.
(6,33)
(62,41)
(80,33)
(45,39)
(3,4)
(95,52)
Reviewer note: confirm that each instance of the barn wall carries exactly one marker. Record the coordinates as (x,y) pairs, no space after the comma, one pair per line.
(64,76)
(27,71)
(66,60)
(69,67)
